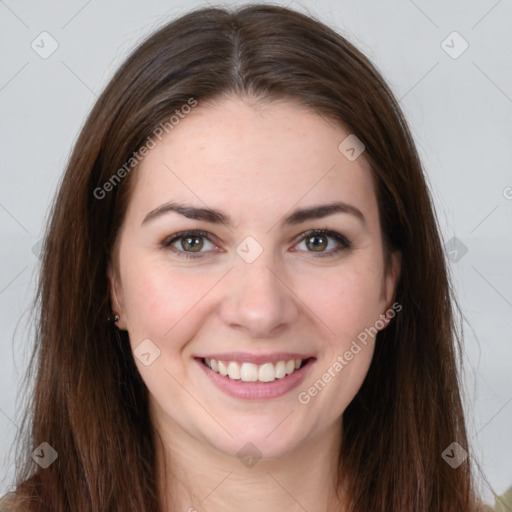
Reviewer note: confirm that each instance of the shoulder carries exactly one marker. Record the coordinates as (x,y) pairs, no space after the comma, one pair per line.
(7,503)
(502,503)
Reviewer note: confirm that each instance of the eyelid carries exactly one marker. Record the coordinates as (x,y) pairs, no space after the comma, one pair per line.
(343,241)
(182,234)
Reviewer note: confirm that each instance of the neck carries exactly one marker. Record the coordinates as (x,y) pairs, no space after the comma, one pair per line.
(193,476)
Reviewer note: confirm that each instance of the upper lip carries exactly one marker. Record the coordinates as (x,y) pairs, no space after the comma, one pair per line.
(245,357)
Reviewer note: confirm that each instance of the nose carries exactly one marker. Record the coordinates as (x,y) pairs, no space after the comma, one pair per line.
(258,298)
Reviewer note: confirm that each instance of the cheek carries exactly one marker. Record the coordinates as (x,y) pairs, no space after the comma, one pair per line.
(347,299)
(349,305)
(352,368)
(350,302)
(159,300)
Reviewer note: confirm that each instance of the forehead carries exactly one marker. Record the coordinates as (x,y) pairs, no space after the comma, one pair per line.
(257,159)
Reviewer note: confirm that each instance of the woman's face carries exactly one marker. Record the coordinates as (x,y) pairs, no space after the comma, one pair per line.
(255,289)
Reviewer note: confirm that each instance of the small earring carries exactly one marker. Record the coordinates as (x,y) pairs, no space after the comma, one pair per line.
(113,318)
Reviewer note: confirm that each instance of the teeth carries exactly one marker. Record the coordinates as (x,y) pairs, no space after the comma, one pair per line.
(234,370)
(223,369)
(250,372)
(266,372)
(280,369)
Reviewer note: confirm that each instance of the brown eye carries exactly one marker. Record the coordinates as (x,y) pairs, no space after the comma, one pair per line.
(324,243)
(191,244)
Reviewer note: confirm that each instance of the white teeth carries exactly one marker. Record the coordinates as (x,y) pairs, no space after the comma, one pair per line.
(280,369)
(250,372)
(267,372)
(223,369)
(234,370)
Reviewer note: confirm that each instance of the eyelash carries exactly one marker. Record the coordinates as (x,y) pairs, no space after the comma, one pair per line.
(344,243)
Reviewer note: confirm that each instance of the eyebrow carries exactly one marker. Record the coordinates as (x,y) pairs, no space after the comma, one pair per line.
(218,217)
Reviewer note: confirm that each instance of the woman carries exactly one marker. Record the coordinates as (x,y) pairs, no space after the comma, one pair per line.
(244,302)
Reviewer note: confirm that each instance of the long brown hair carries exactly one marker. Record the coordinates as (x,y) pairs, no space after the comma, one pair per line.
(89,401)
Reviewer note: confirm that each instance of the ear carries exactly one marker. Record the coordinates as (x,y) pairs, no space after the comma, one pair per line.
(389,284)
(116,295)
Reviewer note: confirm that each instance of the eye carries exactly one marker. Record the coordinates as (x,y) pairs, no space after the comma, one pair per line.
(187,243)
(318,240)
(190,244)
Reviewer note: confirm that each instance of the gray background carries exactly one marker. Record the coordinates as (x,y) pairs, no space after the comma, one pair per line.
(459,109)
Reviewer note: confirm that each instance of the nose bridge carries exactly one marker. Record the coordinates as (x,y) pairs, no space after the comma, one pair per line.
(256,298)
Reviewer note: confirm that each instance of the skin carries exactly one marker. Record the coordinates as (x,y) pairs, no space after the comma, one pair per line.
(256,162)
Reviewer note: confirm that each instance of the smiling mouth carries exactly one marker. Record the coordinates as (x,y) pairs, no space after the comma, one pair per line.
(250,372)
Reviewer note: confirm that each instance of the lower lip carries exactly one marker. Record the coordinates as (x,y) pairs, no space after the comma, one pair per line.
(257,390)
